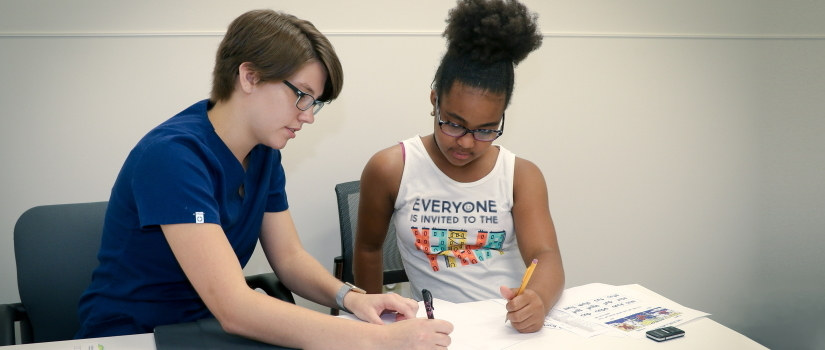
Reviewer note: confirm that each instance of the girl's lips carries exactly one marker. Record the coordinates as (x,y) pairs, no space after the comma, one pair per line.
(461,155)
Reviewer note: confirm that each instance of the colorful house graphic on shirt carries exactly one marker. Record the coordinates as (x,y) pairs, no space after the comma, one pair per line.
(451,246)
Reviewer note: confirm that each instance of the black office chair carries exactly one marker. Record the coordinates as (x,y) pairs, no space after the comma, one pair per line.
(55,248)
(348,194)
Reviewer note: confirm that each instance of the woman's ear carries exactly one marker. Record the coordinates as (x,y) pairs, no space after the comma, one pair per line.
(433,100)
(247,76)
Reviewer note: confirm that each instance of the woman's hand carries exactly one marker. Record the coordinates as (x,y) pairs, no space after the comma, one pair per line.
(417,333)
(370,307)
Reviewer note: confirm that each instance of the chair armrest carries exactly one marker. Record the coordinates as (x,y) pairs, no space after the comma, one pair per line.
(395,276)
(271,285)
(9,315)
(338,272)
(338,267)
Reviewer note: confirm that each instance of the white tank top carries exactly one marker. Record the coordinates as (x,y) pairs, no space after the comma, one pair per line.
(456,239)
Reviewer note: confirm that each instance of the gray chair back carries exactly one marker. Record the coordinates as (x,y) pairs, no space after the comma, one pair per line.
(348,194)
(55,248)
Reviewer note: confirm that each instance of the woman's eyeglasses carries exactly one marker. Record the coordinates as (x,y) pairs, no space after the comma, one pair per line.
(306,101)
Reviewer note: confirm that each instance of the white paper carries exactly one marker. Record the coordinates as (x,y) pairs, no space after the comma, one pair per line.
(476,325)
(631,310)
(588,310)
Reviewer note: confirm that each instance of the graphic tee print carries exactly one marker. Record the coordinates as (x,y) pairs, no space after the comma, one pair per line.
(456,239)
(452,246)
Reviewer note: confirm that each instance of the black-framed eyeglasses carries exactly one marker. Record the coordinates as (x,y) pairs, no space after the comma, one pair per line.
(455,130)
(306,101)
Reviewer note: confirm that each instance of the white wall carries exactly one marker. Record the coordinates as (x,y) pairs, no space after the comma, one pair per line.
(681,141)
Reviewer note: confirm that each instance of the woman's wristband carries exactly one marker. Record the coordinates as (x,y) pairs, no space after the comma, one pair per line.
(346,288)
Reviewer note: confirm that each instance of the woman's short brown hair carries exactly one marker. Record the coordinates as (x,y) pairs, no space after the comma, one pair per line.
(277,45)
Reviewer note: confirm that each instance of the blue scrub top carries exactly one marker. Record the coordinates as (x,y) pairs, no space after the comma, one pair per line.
(180,172)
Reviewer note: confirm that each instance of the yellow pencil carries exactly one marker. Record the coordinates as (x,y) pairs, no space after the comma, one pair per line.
(526,279)
(527,275)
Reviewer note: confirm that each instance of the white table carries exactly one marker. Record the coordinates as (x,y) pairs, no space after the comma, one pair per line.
(702,333)
(144,341)
(475,329)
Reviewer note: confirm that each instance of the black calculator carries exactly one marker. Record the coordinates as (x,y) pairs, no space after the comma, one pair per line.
(665,333)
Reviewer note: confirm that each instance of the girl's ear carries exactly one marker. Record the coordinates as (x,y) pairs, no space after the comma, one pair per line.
(433,99)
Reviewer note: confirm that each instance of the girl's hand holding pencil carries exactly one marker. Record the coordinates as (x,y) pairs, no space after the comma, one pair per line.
(519,312)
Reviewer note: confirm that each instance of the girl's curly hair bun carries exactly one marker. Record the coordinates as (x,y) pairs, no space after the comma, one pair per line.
(489,31)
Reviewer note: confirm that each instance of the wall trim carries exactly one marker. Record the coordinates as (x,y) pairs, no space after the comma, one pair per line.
(429,34)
